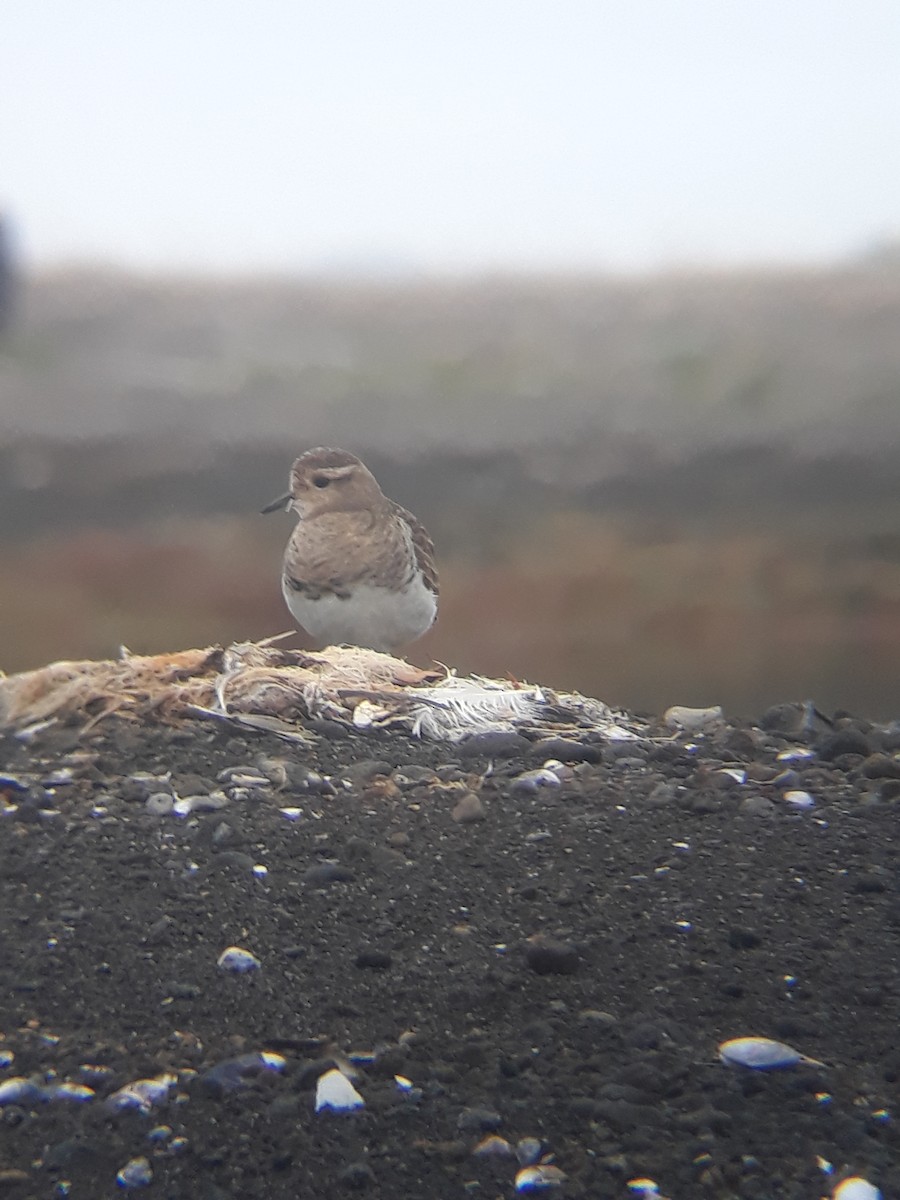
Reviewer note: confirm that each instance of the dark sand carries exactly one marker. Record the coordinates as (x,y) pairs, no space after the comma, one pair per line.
(689,909)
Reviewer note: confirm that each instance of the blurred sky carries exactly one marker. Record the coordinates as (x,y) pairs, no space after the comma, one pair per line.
(449,135)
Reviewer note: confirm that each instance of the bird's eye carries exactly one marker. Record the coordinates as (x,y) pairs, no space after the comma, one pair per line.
(321,481)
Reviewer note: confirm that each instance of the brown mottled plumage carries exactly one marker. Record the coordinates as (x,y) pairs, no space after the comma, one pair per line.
(358,568)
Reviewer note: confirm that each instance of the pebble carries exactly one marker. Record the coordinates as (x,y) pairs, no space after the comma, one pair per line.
(11,1177)
(376,960)
(757,806)
(356,1175)
(529,1150)
(211,802)
(468,809)
(799,799)
(796,754)
(336,1093)
(535,781)
(856,1188)
(548,956)
(494,1146)
(141,1094)
(843,741)
(478,1120)
(692,720)
(137,1172)
(743,939)
(238,961)
(881,766)
(661,795)
(160,804)
(20,1090)
(324,873)
(797,719)
(539,1178)
(234,1073)
(494,745)
(567,750)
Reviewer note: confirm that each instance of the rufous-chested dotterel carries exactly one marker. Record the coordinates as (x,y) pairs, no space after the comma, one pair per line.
(358,568)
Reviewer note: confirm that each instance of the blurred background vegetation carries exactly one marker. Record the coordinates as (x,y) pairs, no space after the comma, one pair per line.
(680,488)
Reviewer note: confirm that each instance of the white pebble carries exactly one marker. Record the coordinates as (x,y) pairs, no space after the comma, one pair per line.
(540,1178)
(799,799)
(335,1091)
(239,961)
(856,1188)
(137,1172)
(142,1094)
(692,720)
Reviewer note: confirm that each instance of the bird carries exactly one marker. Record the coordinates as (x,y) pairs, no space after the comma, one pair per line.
(358,569)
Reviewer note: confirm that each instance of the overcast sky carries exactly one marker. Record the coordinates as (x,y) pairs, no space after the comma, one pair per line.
(449,135)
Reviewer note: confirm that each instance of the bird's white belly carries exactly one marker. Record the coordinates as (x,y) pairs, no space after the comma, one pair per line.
(372,616)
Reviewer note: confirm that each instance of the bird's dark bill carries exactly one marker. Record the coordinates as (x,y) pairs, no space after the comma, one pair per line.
(281,502)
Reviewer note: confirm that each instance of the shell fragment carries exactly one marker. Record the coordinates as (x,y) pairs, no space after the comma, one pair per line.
(763,1054)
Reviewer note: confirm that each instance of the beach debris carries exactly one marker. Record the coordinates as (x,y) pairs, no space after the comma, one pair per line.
(262,686)
(763,1054)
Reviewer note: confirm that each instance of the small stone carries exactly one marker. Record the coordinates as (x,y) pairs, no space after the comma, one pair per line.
(11,1177)
(357,1175)
(702,802)
(547,956)
(792,719)
(336,1093)
(844,741)
(468,809)
(598,1017)
(661,795)
(376,960)
(362,773)
(160,804)
(870,884)
(757,806)
(881,766)
(183,991)
(494,745)
(692,720)
(567,750)
(137,1172)
(324,873)
(478,1120)
(743,939)
(238,961)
